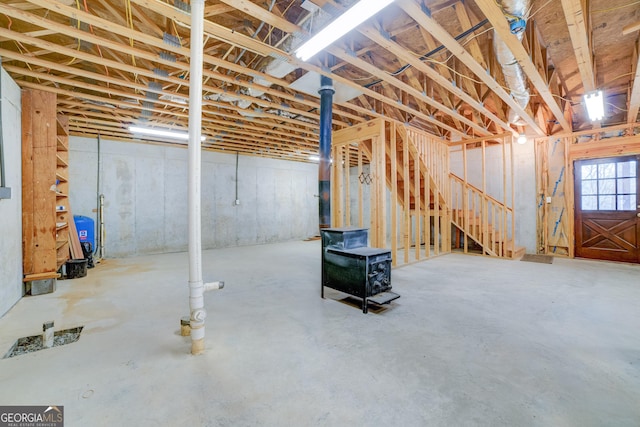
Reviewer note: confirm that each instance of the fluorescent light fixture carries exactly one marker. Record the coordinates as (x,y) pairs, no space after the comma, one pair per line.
(173,134)
(594,102)
(346,22)
(522,139)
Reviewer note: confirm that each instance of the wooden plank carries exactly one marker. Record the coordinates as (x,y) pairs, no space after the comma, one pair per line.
(630,28)
(27,183)
(347,186)
(465,199)
(576,18)
(406,183)
(634,98)
(357,133)
(381,185)
(416,214)
(605,148)
(427,216)
(39,127)
(494,14)
(338,177)
(74,240)
(394,194)
(41,276)
(262,14)
(360,189)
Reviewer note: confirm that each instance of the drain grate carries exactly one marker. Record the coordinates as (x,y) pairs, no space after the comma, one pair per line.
(33,343)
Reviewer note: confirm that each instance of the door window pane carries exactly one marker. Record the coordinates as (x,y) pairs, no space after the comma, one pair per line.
(607,186)
(627,169)
(627,185)
(590,187)
(627,202)
(606,170)
(607,203)
(589,203)
(589,171)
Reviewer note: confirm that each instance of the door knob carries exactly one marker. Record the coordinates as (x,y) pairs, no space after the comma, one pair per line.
(638,215)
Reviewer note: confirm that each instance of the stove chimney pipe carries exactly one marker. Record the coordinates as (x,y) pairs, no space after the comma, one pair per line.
(324,168)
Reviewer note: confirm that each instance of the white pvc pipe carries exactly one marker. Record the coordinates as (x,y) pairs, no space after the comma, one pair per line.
(196,286)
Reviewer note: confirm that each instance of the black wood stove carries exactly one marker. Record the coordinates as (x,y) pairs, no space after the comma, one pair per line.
(350,266)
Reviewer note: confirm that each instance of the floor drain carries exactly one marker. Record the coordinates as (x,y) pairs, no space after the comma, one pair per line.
(33,343)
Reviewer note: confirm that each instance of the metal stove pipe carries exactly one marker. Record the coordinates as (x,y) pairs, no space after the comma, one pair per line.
(324,168)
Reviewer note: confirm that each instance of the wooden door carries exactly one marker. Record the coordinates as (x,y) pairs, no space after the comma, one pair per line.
(608,208)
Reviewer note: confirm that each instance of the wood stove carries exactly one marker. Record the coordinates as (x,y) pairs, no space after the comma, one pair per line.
(350,266)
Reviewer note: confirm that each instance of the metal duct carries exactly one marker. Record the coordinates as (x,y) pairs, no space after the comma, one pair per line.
(515,11)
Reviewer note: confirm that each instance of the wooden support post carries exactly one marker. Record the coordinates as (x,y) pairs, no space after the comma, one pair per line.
(381,186)
(360,184)
(407,199)
(465,199)
(338,191)
(394,195)
(347,185)
(427,216)
(416,193)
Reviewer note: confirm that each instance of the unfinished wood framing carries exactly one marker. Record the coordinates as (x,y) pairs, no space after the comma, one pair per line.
(484,221)
(39,145)
(555,232)
(404,172)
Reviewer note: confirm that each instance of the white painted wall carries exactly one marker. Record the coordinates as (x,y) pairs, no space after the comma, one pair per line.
(11,209)
(145,188)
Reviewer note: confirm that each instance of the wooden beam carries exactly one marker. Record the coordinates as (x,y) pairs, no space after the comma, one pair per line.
(262,14)
(634,98)
(414,10)
(579,32)
(493,13)
(375,71)
(217,9)
(630,28)
(410,58)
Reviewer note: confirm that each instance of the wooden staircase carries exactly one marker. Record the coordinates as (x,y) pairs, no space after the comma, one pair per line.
(432,211)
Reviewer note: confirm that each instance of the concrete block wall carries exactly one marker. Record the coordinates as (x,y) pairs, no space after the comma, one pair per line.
(11,209)
(145,188)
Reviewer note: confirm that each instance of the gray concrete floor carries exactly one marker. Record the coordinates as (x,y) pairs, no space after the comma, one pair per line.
(472,341)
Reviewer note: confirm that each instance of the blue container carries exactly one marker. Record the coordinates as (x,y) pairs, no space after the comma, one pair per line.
(85,228)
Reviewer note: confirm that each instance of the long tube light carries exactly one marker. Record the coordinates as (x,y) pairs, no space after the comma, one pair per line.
(173,134)
(346,22)
(594,102)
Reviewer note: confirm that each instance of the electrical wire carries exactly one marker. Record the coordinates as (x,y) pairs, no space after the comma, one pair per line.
(106,69)
(78,27)
(616,8)
(539,9)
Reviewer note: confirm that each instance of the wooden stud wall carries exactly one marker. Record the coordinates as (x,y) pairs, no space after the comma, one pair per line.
(407,167)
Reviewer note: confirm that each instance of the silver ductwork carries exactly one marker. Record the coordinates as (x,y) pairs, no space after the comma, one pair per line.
(515,12)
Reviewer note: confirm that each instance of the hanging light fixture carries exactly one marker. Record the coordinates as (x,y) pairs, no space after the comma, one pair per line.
(594,103)
(346,22)
(522,139)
